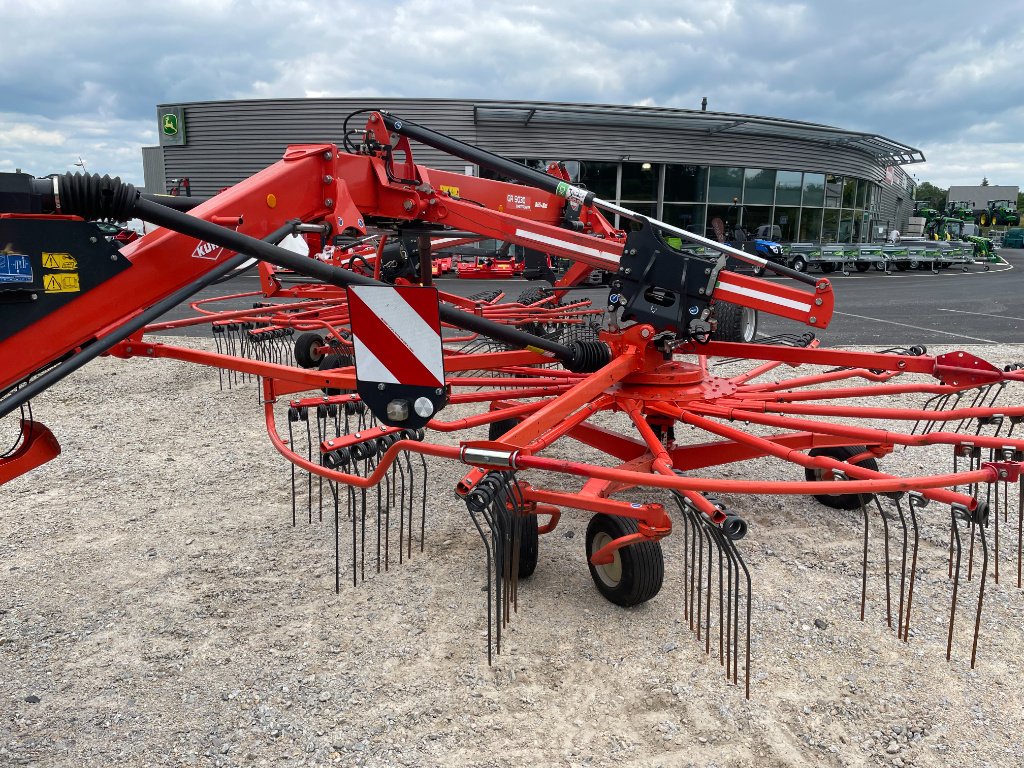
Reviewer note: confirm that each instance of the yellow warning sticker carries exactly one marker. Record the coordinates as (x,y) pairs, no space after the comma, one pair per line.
(450,191)
(67,283)
(59,261)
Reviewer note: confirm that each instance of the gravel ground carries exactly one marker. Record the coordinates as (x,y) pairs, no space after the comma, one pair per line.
(158,608)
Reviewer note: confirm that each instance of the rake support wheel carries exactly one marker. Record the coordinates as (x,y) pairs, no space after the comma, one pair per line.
(307,350)
(735,323)
(637,571)
(330,362)
(839,453)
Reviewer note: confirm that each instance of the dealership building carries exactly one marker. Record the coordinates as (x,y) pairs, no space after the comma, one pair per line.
(685,167)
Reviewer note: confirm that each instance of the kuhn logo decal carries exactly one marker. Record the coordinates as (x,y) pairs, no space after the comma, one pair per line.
(207,251)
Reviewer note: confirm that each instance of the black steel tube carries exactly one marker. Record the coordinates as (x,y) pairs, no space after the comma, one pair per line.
(481,157)
(104,343)
(177,202)
(236,241)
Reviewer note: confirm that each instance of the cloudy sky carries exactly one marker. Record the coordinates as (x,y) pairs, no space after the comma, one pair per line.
(82,78)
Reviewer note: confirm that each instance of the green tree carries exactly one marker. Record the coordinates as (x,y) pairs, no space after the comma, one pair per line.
(934,196)
(984,181)
(1020,201)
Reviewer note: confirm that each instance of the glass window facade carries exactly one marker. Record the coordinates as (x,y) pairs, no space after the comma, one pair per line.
(725,185)
(601,179)
(795,206)
(640,182)
(787,187)
(686,183)
(833,191)
(758,187)
(814,189)
(689,217)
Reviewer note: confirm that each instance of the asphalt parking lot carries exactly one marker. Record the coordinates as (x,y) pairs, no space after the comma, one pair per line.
(871,308)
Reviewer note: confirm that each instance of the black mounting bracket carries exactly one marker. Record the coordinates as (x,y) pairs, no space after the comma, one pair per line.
(664,287)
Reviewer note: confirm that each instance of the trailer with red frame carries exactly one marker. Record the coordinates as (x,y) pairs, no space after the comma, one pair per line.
(67,300)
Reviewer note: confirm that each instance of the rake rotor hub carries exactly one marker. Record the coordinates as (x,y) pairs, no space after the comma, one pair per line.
(677,382)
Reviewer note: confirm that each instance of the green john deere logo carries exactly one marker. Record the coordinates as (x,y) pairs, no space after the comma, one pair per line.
(170,124)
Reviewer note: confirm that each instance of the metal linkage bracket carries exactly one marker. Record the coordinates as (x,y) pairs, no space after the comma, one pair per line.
(1007,471)
(663,287)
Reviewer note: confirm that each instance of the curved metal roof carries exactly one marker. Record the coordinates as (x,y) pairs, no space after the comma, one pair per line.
(886,151)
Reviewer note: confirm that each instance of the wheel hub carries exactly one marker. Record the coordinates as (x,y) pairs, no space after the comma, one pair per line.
(610,573)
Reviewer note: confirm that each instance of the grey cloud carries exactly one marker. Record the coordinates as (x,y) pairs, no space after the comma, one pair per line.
(939,81)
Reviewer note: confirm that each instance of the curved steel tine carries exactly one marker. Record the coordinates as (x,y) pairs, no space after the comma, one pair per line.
(746,573)
(916,501)
(903,565)
(978,521)
(490,568)
(864,563)
(953,511)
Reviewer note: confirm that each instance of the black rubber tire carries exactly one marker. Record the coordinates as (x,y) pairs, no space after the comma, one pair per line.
(330,362)
(799,264)
(533,295)
(529,547)
(551,331)
(839,453)
(529,544)
(735,323)
(638,571)
(307,350)
(914,264)
(862,266)
(485,297)
(880,266)
(828,269)
(496,429)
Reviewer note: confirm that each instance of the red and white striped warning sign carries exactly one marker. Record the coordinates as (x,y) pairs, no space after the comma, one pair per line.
(396,333)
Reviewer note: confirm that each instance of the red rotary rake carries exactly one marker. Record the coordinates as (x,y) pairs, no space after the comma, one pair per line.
(536,372)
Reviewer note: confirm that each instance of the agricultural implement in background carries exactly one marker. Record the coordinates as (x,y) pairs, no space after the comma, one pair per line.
(951,229)
(534,371)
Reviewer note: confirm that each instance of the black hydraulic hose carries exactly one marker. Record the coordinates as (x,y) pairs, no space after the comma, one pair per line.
(119,334)
(282,257)
(481,157)
(96,197)
(177,202)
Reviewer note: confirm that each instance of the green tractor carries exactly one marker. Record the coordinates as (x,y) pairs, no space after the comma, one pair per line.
(949,228)
(925,211)
(1000,213)
(962,211)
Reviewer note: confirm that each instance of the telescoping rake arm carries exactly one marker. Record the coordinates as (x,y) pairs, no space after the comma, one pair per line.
(622,392)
